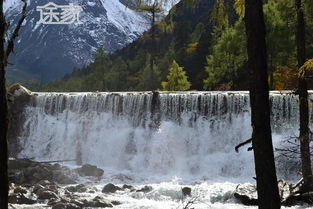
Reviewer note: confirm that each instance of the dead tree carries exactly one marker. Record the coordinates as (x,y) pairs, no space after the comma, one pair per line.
(267,188)
(4,118)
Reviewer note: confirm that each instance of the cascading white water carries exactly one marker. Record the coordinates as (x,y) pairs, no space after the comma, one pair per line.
(190,134)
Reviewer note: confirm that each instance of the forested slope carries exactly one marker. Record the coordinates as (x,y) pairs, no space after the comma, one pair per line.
(208,41)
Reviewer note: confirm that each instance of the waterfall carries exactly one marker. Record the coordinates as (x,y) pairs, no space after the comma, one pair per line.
(166,134)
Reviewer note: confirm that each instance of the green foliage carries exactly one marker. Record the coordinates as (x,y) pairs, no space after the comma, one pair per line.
(150,76)
(196,34)
(210,50)
(280,37)
(306,69)
(227,59)
(239,6)
(177,80)
(219,15)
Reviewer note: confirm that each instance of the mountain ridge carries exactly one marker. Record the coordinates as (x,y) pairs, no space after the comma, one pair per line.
(48,52)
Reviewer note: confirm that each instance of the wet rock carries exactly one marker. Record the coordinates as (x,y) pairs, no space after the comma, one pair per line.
(79,188)
(60,177)
(130,187)
(186,191)
(45,194)
(77,202)
(18,98)
(41,172)
(90,170)
(298,199)
(97,202)
(53,201)
(20,190)
(115,202)
(62,205)
(21,199)
(145,189)
(23,171)
(37,187)
(110,188)
(122,177)
(44,182)
(246,194)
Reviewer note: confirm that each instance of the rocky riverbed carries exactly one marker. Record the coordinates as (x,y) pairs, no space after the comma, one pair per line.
(52,185)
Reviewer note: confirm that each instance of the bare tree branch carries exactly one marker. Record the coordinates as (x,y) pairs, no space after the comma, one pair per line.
(243,144)
(10,47)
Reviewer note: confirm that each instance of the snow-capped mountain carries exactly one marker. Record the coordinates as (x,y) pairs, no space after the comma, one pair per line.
(50,51)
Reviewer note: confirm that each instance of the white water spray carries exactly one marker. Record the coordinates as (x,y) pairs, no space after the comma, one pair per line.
(188,135)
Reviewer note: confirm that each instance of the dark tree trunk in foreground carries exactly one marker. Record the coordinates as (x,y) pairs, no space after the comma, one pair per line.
(4,115)
(303,101)
(268,196)
(4,185)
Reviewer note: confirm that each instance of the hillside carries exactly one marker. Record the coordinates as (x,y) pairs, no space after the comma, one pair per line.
(48,52)
(184,35)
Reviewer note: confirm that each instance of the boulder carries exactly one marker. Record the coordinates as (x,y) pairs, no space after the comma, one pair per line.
(110,188)
(90,170)
(246,194)
(60,177)
(45,194)
(145,189)
(130,187)
(115,202)
(29,172)
(20,190)
(62,205)
(45,183)
(79,188)
(37,187)
(294,199)
(186,191)
(97,202)
(21,199)
(77,202)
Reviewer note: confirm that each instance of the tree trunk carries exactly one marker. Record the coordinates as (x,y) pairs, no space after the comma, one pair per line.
(268,196)
(152,60)
(4,185)
(303,100)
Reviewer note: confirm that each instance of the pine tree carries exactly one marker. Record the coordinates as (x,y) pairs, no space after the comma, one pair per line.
(150,77)
(177,79)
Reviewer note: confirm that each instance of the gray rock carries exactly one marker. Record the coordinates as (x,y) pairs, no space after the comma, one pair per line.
(130,187)
(97,202)
(115,202)
(246,194)
(186,191)
(20,190)
(45,194)
(21,199)
(44,182)
(90,170)
(145,189)
(62,205)
(110,188)
(79,188)
(37,187)
(60,177)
